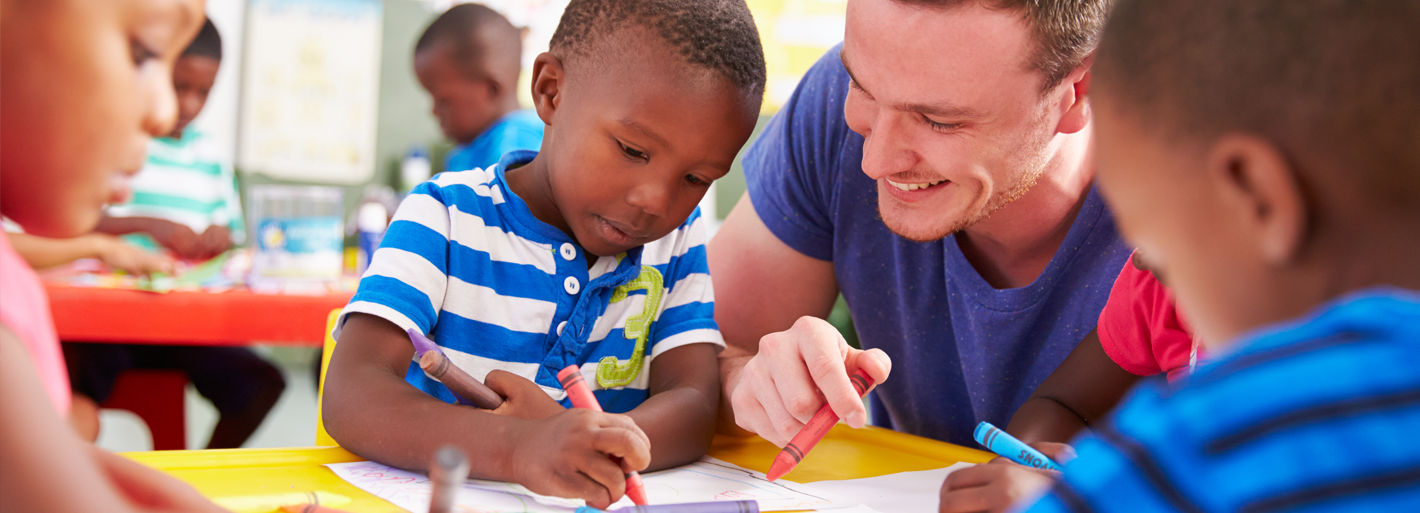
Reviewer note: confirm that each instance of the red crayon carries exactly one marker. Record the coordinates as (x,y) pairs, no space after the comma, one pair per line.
(813,431)
(581,396)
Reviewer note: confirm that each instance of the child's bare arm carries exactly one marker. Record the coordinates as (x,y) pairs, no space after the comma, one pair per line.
(679,417)
(373,412)
(1084,388)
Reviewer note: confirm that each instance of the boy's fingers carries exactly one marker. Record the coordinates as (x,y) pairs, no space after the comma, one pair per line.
(971,477)
(585,485)
(632,447)
(970,500)
(1059,452)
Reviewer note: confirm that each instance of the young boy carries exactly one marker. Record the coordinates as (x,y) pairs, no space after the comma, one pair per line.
(185,199)
(86,84)
(590,252)
(1263,154)
(469,59)
(182,191)
(1140,333)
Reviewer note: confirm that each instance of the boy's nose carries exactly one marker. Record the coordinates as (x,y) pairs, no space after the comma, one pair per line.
(653,197)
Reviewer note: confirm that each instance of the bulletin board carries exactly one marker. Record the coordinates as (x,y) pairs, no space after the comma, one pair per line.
(310,90)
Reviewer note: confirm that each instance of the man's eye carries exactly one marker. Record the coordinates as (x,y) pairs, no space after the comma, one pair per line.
(634,153)
(942,127)
(140,53)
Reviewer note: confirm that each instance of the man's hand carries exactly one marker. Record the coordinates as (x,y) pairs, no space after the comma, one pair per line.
(794,373)
(996,486)
(566,455)
(521,397)
(118,255)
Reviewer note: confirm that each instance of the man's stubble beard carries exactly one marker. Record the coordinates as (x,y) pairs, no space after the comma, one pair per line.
(1027,167)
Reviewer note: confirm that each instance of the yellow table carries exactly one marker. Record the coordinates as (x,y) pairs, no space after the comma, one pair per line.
(844,454)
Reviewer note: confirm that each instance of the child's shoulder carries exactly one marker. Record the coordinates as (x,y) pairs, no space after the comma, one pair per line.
(473,189)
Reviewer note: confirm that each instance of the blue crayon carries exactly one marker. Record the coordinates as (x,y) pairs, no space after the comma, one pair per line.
(1009,447)
(693,507)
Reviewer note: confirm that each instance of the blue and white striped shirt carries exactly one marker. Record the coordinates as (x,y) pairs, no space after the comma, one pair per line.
(465,261)
(1316,415)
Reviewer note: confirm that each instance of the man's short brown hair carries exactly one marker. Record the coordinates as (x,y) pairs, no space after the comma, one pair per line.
(1064,31)
(1335,84)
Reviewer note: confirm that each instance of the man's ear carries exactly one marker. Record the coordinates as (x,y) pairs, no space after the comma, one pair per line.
(1261,187)
(1076,101)
(548,77)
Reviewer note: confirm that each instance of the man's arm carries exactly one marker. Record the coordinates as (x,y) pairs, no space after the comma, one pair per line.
(679,417)
(782,359)
(373,412)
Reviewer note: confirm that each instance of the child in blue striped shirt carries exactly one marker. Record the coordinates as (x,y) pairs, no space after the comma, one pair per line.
(589,252)
(1264,154)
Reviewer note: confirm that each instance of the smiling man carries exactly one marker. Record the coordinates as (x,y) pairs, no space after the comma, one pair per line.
(936,170)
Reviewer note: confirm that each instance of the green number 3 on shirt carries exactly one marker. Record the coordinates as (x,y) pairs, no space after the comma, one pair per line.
(612,372)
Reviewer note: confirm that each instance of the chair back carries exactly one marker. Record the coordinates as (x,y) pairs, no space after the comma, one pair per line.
(322,437)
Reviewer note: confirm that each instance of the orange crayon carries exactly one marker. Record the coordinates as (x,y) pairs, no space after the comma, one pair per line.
(813,431)
(581,396)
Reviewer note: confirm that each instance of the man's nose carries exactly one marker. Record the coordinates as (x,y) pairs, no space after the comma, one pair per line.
(886,151)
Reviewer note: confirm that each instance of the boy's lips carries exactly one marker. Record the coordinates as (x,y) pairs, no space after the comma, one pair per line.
(619,233)
(118,187)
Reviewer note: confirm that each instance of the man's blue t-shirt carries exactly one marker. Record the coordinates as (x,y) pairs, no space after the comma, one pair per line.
(1318,414)
(517,130)
(962,351)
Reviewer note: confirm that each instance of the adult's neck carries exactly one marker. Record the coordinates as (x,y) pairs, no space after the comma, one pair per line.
(1012,246)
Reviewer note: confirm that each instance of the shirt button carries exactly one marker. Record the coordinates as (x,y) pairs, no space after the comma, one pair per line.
(569,252)
(561,325)
(572,285)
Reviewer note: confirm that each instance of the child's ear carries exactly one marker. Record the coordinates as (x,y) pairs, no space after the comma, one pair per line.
(1076,100)
(1261,185)
(548,76)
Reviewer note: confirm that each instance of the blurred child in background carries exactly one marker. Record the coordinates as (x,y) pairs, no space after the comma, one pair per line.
(469,60)
(186,200)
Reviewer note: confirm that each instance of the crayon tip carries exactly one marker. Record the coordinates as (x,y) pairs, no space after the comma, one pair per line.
(637,495)
(783,463)
(422,344)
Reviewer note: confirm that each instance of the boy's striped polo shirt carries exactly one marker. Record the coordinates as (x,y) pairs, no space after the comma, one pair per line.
(1319,414)
(466,262)
(184,181)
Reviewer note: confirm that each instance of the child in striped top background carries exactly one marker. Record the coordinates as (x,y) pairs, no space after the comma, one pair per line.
(185,198)
(589,252)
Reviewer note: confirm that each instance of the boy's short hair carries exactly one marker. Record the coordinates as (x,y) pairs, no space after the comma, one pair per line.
(1335,84)
(1065,31)
(208,43)
(718,35)
(477,33)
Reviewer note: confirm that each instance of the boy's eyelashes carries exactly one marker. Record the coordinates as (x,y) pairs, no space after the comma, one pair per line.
(697,181)
(633,153)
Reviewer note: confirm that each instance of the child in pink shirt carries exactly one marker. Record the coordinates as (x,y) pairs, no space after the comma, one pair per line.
(86,84)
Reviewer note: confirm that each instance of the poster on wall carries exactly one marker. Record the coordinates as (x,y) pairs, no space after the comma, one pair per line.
(310,90)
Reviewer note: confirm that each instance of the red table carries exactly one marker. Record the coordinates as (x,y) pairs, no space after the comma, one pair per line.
(232,318)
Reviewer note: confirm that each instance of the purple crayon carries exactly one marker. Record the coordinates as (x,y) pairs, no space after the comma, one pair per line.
(466,388)
(692,507)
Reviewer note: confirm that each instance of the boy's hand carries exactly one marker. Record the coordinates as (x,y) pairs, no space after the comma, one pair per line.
(566,455)
(215,240)
(521,397)
(184,242)
(996,486)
